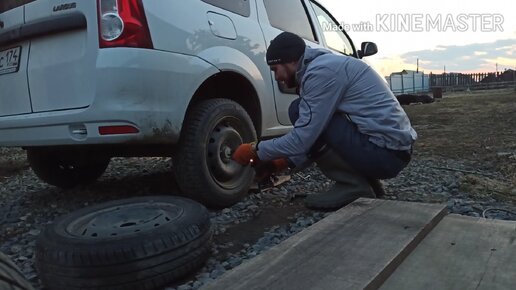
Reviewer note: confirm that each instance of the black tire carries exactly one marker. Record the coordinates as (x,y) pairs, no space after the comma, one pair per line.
(66,169)
(202,164)
(137,243)
(10,276)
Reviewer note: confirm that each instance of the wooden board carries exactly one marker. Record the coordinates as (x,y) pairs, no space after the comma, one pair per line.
(357,247)
(461,253)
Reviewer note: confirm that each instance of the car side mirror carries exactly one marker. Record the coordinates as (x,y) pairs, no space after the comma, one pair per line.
(367,49)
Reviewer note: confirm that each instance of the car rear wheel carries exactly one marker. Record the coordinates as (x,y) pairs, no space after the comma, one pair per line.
(66,169)
(202,164)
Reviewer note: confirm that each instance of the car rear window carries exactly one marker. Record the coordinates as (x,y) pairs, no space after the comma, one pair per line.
(241,7)
(10,4)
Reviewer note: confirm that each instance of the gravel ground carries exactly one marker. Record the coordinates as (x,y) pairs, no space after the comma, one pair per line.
(27,205)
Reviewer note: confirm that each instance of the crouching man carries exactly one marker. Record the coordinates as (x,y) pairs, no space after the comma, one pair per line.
(346,120)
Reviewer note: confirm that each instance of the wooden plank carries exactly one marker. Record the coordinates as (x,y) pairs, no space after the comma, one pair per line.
(461,253)
(357,247)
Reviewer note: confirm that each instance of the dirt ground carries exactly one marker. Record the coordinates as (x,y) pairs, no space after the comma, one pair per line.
(478,126)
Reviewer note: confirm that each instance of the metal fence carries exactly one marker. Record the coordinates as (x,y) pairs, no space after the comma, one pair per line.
(476,81)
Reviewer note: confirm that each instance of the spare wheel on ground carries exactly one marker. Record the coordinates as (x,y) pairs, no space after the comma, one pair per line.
(137,243)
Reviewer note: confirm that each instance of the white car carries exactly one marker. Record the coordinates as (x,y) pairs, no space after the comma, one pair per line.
(83,81)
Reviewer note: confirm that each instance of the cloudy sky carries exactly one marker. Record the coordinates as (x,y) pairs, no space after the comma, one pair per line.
(459,36)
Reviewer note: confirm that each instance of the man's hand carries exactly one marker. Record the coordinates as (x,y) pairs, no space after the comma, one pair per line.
(245,154)
(265,169)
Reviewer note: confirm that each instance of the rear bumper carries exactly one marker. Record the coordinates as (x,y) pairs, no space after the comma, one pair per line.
(47,129)
(146,89)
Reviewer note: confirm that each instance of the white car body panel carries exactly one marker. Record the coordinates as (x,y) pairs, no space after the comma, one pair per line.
(244,55)
(123,97)
(67,86)
(61,66)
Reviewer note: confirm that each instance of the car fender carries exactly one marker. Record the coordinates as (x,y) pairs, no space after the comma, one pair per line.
(230,59)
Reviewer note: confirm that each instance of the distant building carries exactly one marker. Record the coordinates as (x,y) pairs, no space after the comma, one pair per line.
(408,82)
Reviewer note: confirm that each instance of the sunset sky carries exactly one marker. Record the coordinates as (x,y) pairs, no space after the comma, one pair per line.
(464,36)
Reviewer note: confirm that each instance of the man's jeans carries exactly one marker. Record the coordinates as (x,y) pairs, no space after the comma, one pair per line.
(366,158)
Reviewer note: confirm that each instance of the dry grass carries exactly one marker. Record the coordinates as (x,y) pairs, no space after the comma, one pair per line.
(479,126)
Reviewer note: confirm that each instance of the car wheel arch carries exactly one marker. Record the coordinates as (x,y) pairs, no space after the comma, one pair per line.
(222,85)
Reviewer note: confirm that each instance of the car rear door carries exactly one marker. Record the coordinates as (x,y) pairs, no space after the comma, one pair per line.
(57,43)
(14,90)
(62,60)
(274,20)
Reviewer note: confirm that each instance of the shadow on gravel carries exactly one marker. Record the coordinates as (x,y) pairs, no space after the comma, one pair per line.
(10,168)
(111,189)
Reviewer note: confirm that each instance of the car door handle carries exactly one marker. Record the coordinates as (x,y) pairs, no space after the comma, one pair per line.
(1,24)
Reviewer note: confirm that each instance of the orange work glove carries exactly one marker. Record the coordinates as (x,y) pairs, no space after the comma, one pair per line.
(280,164)
(265,169)
(245,154)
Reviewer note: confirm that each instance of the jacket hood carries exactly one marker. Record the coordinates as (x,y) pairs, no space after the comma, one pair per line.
(309,55)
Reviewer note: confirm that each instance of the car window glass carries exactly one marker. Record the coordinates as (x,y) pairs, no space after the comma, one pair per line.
(241,7)
(10,4)
(334,38)
(291,16)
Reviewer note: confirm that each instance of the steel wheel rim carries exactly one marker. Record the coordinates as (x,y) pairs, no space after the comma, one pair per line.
(123,220)
(223,140)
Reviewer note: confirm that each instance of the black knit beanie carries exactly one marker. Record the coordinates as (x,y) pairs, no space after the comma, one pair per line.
(286,47)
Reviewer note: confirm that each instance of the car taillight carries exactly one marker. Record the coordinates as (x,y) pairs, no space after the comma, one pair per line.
(122,23)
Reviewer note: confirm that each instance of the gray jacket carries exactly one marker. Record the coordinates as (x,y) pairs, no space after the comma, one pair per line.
(332,84)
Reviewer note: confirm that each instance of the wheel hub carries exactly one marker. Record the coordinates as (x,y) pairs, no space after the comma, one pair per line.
(226,153)
(223,142)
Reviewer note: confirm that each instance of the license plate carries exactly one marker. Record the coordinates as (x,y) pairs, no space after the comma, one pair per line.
(10,60)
